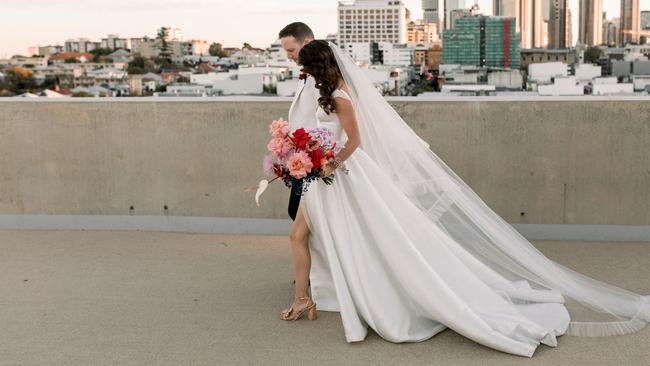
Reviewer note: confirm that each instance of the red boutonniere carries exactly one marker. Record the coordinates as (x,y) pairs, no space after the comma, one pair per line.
(302,76)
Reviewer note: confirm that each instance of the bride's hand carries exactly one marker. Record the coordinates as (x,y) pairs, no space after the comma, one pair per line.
(328,169)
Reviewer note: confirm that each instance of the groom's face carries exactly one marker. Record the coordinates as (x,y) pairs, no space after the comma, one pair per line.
(292,46)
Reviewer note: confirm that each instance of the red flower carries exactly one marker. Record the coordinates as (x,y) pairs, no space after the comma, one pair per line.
(316,157)
(302,76)
(301,138)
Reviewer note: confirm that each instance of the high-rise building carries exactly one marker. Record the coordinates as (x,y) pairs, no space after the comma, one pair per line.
(145,47)
(505,8)
(546,9)
(430,12)
(456,14)
(531,23)
(604,29)
(421,32)
(113,42)
(611,33)
(372,21)
(630,27)
(591,27)
(530,19)
(569,27)
(80,45)
(451,5)
(645,20)
(483,41)
(545,34)
(559,25)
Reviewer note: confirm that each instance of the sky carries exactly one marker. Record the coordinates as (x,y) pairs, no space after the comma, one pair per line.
(45,22)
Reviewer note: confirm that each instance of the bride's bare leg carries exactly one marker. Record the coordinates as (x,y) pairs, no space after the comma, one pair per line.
(299,237)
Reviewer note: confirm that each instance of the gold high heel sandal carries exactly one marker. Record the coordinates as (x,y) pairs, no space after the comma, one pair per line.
(311,314)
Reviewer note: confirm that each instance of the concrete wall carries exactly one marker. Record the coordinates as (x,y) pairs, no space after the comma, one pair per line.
(539,161)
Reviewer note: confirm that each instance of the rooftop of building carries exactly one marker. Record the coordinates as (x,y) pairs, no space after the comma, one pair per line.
(139,297)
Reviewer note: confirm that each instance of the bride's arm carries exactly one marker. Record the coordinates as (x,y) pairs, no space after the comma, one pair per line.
(345,113)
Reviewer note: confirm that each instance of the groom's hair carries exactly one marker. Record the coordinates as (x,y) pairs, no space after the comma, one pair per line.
(298,30)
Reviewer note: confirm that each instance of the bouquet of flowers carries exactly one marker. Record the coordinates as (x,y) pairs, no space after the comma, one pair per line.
(297,155)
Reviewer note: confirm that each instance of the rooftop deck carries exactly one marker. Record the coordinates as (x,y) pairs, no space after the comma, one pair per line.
(150,298)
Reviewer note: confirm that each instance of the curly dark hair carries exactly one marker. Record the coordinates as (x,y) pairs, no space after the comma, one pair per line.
(318,60)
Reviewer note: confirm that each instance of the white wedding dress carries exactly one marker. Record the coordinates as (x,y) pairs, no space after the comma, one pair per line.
(402,244)
(381,262)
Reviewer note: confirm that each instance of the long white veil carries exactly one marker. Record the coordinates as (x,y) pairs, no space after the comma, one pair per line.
(441,195)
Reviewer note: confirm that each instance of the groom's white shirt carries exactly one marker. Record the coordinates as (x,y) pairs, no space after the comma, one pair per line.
(305,103)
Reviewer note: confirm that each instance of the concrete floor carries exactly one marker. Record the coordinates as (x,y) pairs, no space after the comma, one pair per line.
(151,298)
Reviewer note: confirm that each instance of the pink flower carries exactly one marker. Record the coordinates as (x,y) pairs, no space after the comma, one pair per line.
(299,164)
(279,128)
(279,147)
(268,165)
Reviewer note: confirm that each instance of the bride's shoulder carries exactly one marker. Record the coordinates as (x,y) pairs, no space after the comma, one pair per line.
(344,87)
(342,91)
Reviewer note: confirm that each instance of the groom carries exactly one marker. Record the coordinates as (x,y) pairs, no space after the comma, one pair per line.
(303,114)
(305,102)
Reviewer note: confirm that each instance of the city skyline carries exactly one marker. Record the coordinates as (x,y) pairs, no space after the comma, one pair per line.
(131,19)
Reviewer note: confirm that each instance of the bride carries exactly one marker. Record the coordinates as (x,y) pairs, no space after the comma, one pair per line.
(400,243)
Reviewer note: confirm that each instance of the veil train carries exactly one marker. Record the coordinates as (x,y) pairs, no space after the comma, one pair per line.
(446,200)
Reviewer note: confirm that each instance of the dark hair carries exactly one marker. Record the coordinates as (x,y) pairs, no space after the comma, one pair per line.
(318,60)
(298,30)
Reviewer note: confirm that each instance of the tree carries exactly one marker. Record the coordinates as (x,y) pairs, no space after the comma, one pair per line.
(165,51)
(50,82)
(592,54)
(71,60)
(247,45)
(140,65)
(99,52)
(162,61)
(20,80)
(216,49)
